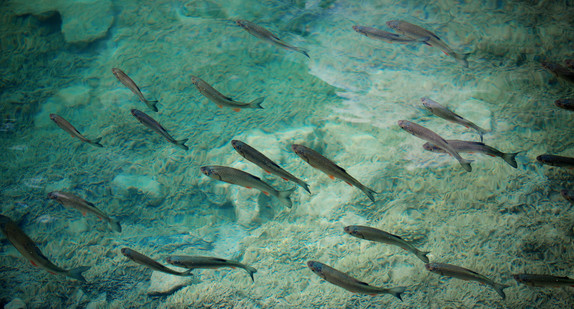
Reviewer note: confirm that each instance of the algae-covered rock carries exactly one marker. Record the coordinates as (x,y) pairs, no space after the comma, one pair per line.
(126,185)
(16,303)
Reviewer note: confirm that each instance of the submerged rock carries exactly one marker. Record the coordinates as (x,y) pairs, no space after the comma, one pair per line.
(128,185)
(166,284)
(16,303)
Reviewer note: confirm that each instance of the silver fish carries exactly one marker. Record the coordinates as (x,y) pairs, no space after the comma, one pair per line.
(388,37)
(128,82)
(567,104)
(150,263)
(154,125)
(72,201)
(241,178)
(568,195)
(543,280)
(66,126)
(349,283)
(446,114)
(369,233)
(430,136)
(266,35)
(558,161)
(416,32)
(220,100)
(265,163)
(560,71)
(193,262)
(464,146)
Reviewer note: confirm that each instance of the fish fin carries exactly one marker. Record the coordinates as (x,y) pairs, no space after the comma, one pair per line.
(284,178)
(461,58)
(249,187)
(500,289)
(304,185)
(422,255)
(491,155)
(116,227)
(332,177)
(250,270)
(427,43)
(268,172)
(100,218)
(181,144)
(466,165)
(233,267)
(257,103)
(266,193)
(510,158)
(370,193)
(350,184)
(396,292)
(220,106)
(304,52)
(76,273)
(422,40)
(96,142)
(51,272)
(152,104)
(283,196)
(237,109)
(83,213)
(33,263)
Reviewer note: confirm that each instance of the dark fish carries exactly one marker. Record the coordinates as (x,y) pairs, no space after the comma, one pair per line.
(193,262)
(66,126)
(349,283)
(553,160)
(430,136)
(128,82)
(568,195)
(369,233)
(327,166)
(465,274)
(154,125)
(72,201)
(265,163)
(448,115)
(30,251)
(152,264)
(567,104)
(465,147)
(241,178)
(266,35)
(220,100)
(560,71)
(543,280)
(388,37)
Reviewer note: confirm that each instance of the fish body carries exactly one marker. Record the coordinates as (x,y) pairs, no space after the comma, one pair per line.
(328,167)
(259,159)
(30,251)
(193,262)
(72,201)
(266,35)
(417,33)
(220,100)
(465,274)
(543,280)
(448,115)
(128,82)
(150,263)
(241,178)
(560,71)
(435,139)
(568,195)
(369,233)
(149,122)
(349,283)
(466,147)
(68,127)
(567,104)
(558,161)
(388,37)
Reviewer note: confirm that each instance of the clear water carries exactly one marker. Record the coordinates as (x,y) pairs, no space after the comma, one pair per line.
(344,102)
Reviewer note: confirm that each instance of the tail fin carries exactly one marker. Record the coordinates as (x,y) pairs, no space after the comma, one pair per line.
(510,158)
(499,289)
(181,145)
(250,270)
(462,58)
(152,104)
(76,273)
(116,227)
(466,165)
(422,255)
(257,103)
(283,196)
(304,52)
(96,142)
(304,185)
(396,292)
(369,192)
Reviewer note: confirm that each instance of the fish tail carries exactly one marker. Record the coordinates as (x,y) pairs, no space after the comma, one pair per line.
(304,52)
(181,144)
(250,270)
(152,104)
(96,142)
(466,164)
(257,103)
(115,224)
(500,289)
(422,255)
(462,58)
(396,292)
(304,185)
(369,192)
(510,158)
(76,273)
(283,196)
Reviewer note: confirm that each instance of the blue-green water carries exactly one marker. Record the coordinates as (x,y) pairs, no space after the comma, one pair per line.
(344,102)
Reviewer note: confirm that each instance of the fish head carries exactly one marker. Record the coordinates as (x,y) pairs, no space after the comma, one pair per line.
(431,267)
(238,146)
(53,195)
(194,80)
(405,125)
(394,24)
(116,71)
(53,117)
(519,278)
(172,260)
(358,29)
(316,267)
(299,150)
(242,23)
(427,103)
(430,147)
(126,252)
(352,230)
(210,171)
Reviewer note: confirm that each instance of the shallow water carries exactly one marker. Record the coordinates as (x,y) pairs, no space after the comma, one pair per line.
(343,102)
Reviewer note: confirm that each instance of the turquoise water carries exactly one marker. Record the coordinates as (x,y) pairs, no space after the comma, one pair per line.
(344,102)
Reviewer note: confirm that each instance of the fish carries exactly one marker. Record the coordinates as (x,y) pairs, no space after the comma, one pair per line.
(30,251)
(569,63)
(327,166)
(152,264)
(568,195)
(448,115)
(154,125)
(68,127)
(241,178)
(417,33)
(193,262)
(128,82)
(72,201)
(220,100)
(558,161)
(349,283)
(369,233)
(465,146)
(567,104)
(543,280)
(388,37)
(259,159)
(465,274)
(435,139)
(266,35)
(560,71)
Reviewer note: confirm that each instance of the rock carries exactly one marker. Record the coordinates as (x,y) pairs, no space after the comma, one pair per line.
(74,96)
(16,303)
(83,21)
(100,302)
(166,284)
(127,185)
